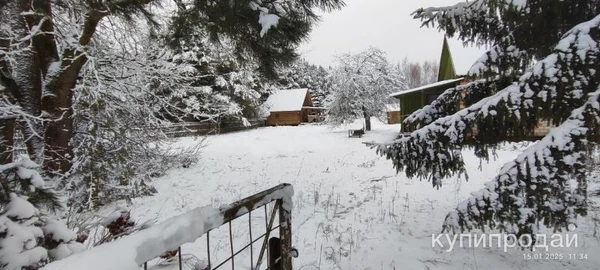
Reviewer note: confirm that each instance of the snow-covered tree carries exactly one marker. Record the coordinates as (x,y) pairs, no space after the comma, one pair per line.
(362,84)
(91,83)
(417,74)
(45,45)
(302,74)
(220,85)
(526,77)
(28,239)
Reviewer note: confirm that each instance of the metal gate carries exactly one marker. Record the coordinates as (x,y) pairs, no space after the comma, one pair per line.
(277,250)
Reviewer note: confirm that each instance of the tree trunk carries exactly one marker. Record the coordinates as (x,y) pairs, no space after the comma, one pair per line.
(59,131)
(7,128)
(367,119)
(59,104)
(27,80)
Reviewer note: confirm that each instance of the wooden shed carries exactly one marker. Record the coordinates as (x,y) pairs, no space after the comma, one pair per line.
(416,98)
(393,114)
(290,107)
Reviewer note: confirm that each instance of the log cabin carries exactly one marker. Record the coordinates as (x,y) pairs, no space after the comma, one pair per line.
(292,107)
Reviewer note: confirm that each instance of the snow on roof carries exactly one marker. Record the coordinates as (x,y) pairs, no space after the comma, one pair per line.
(286,100)
(425,87)
(392,107)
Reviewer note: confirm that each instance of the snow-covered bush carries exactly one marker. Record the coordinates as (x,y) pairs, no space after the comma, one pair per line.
(29,239)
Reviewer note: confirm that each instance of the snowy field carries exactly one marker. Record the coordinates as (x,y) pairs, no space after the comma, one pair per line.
(351,210)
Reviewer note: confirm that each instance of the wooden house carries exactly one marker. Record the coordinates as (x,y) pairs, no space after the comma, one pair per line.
(414,99)
(411,100)
(292,107)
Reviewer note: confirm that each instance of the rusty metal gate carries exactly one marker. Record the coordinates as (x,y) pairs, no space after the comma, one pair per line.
(277,250)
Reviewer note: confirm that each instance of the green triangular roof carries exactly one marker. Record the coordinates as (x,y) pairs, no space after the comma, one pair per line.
(446,71)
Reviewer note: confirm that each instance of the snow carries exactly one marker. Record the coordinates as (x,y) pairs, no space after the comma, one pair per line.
(18,235)
(64,250)
(19,208)
(392,107)
(58,231)
(129,253)
(424,87)
(267,21)
(19,248)
(25,162)
(286,100)
(34,177)
(350,209)
(116,214)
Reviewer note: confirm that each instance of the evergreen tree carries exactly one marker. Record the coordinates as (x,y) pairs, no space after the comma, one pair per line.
(28,239)
(219,85)
(526,77)
(302,74)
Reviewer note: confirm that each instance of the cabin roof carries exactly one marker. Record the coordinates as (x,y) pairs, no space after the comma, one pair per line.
(426,87)
(286,100)
(392,107)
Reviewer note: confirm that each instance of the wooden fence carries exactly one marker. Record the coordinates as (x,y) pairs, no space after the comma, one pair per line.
(208,128)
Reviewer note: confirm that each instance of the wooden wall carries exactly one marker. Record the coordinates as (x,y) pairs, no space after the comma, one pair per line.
(394,117)
(284,118)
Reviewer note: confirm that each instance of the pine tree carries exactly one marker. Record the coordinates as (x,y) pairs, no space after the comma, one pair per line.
(526,77)
(302,74)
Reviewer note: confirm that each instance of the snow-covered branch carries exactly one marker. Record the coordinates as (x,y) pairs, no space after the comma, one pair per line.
(546,183)
(362,85)
(514,111)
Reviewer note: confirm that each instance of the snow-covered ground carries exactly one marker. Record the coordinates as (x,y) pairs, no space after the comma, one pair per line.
(351,210)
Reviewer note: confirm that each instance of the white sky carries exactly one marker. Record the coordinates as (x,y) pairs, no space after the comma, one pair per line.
(387,25)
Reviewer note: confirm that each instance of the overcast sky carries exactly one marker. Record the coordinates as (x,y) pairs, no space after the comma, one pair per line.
(385,24)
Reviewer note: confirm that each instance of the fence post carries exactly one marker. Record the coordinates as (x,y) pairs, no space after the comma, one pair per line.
(285,235)
(275,254)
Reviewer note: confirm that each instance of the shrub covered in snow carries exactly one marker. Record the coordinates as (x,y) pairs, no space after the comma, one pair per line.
(29,239)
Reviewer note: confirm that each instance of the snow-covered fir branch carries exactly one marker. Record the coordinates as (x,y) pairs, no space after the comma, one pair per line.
(448,102)
(545,184)
(548,91)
